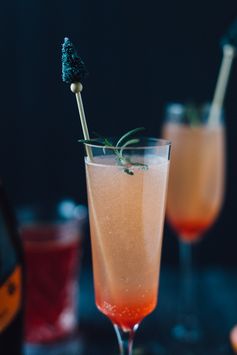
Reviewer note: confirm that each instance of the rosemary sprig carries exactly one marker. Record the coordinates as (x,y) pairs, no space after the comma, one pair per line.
(128,134)
(193,114)
(118,149)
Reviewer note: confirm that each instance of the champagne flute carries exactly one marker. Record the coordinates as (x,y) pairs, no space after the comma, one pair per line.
(195,195)
(126,188)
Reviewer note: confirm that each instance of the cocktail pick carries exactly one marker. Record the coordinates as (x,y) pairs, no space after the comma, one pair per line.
(229,45)
(73,73)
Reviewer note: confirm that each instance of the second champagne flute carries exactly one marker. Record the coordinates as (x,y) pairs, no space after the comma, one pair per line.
(195,195)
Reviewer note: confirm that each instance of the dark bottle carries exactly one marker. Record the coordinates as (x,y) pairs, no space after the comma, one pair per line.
(11,269)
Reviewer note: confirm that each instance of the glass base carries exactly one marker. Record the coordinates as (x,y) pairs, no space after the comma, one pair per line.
(187,330)
(73,346)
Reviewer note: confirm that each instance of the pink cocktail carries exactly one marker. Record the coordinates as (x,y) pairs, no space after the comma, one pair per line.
(195,196)
(126,193)
(196,185)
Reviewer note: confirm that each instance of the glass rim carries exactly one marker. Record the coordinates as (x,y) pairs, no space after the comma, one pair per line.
(181,112)
(158,142)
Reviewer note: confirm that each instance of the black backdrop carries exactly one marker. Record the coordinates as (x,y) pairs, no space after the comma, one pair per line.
(140,55)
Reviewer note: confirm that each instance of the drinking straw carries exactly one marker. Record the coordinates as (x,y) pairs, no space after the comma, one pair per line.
(73,73)
(229,46)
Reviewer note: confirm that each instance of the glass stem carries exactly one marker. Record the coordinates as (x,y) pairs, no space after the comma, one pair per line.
(125,339)
(187,277)
(187,328)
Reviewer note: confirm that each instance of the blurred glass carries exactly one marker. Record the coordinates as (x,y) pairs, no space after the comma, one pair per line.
(195,194)
(52,239)
(196,183)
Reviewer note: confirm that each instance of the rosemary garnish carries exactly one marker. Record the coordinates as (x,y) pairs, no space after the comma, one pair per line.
(118,148)
(193,114)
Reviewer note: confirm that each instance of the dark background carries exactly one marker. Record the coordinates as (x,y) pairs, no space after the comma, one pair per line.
(140,55)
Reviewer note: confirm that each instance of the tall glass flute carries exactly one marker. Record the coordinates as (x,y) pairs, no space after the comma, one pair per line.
(195,195)
(127,192)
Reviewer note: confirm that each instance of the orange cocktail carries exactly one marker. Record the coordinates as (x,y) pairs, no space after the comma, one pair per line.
(127,192)
(126,220)
(196,182)
(195,195)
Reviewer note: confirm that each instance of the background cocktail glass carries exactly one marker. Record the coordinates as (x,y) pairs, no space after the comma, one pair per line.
(126,222)
(195,194)
(52,236)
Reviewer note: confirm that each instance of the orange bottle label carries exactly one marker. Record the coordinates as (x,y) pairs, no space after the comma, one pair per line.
(10,298)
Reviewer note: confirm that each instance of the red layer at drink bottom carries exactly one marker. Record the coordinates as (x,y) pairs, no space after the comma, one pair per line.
(126,316)
(51,274)
(190,231)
